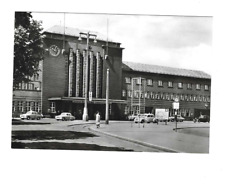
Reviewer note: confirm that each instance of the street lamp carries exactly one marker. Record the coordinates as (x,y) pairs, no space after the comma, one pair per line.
(88,35)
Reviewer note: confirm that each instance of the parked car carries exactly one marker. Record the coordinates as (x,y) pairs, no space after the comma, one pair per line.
(144,118)
(204,118)
(31,115)
(131,117)
(65,116)
(179,118)
(156,120)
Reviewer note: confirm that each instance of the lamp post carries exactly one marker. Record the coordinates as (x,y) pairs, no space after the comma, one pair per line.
(85,112)
(107,99)
(176,108)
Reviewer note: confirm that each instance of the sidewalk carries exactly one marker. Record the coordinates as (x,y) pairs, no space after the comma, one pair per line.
(161,136)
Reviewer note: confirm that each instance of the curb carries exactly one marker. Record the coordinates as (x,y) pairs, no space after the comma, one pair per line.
(137,142)
(80,124)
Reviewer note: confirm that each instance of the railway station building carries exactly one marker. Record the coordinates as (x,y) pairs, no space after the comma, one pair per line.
(134,87)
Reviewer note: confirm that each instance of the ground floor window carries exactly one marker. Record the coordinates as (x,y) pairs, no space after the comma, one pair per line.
(126,110)
(52,107)
(28,106)
(36,107)
(14,106)
(20,106)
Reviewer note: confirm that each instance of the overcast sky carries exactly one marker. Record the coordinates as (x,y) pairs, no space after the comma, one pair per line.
(175,41)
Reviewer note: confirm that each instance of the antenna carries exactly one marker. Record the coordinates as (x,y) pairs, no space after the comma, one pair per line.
(64,15)
(107,44)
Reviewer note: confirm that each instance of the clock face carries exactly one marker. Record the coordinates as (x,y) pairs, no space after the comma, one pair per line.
(54,50)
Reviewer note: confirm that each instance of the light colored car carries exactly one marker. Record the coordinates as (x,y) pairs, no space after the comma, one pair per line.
(65,116)
(144,118)
(131,117)
(31,115)
(179,118)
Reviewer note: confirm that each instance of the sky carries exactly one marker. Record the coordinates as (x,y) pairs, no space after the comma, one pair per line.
(174,41)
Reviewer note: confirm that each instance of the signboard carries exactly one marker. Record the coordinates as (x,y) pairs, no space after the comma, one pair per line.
(176,105)
(90,96)
(162,114)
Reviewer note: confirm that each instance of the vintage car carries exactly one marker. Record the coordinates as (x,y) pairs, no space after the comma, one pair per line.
(65,116)
(131,117)
(144,118)
(31,115)
(179,118)
(204,118)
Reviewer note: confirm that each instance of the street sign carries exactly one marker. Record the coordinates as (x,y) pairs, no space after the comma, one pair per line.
(90,96)
(176,105)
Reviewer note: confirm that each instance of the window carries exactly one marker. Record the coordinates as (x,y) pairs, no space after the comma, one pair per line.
(206,87)
(167,97)
(28,106)
(181,97)
(126,110)
(204,98)
(124,93)
(30,86)
(52,106)
(20,106)
(139,81)
(129,93)
(36,106)
(170,84)
(136,94)
(195,98)
(14,106)
(160,83)
(146,95)
(189,86)
(198,87)
(152,95)
(127,80)
(149,82)
(180,85)
(36,77)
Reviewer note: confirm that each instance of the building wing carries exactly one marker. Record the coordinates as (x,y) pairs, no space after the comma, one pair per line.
(131,66)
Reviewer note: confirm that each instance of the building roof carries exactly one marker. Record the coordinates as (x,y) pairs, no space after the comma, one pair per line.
(58,29)
(148,68)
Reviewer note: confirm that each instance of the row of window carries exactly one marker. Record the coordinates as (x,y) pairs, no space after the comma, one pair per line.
(170,84)
(184,112)
(165,96)
(26,86)
(35,77)
(24,106)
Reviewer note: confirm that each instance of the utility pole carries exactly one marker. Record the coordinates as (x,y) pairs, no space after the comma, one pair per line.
(107,98)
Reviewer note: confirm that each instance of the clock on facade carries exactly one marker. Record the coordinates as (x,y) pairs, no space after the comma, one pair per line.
(54,50)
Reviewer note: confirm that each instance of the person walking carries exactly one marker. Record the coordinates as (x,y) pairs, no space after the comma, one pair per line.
(98,120)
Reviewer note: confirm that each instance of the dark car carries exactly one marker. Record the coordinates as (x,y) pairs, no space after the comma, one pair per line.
(179,118)
(203,118)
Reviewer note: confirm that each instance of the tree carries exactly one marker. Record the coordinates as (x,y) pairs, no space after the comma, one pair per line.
(28,47)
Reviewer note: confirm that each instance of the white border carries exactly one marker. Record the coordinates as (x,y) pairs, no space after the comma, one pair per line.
(38,168)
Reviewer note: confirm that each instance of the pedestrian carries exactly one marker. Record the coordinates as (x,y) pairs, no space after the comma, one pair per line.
(98,120)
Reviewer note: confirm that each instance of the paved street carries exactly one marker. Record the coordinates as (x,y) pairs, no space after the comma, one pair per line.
(105,142)
(189,137)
